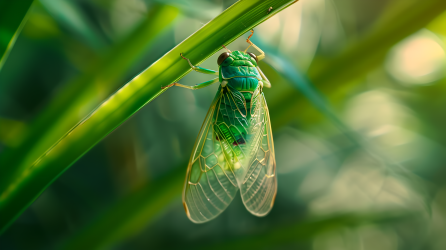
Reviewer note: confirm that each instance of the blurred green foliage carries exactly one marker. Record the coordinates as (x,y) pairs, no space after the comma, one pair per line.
(356,106)
(78,97)
(12,18)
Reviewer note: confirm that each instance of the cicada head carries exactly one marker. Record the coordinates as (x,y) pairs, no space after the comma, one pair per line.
(237,58)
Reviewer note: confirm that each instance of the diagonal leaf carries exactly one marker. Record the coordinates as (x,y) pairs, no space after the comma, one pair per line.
(9,129)
(144,205)
(12,18)
(75,20)
(301,83)
(332,75)
(22,190)
(81,95)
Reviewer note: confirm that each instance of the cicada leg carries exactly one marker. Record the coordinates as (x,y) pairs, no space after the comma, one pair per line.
(199,69)
(198,86)
(265,82)
(262,54)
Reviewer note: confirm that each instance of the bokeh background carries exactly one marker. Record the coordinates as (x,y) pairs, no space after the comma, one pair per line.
(358,115)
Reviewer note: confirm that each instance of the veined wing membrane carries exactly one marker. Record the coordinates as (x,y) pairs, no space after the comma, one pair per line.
(209,186)
(259,187)
(232,150)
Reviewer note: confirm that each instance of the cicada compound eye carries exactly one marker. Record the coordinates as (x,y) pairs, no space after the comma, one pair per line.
(253,56)
(222,57)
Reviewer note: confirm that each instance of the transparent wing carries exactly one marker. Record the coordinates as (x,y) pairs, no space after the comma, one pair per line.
(210,184)
(259,187)
(248,147)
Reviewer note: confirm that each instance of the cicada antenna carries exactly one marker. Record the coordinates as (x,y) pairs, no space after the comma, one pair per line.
(226,48)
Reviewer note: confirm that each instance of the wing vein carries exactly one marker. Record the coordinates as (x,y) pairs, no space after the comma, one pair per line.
(207,198)
(218,179)
(210,186)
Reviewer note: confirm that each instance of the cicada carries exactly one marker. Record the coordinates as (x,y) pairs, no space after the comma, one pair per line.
(234,149)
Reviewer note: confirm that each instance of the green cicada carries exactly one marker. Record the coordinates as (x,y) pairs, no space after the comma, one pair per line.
(234,149)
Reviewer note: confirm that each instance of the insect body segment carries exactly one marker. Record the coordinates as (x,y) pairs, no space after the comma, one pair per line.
(234,149)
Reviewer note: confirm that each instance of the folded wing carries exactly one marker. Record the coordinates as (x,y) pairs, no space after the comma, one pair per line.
(234,150)
(259,187)
(210,185)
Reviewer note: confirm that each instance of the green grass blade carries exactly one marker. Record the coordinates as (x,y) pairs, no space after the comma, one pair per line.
(402,19)
(9,129)
(12,19)
(81,95)
(25,188)
(75,20)
(130,215)
(332,75)
(301,83)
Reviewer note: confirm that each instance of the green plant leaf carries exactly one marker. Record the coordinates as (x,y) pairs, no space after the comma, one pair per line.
(12,19)
(116,224)
(334,75)
(82,94)
(10,129)
(75,20)
(35,176)
(301,83)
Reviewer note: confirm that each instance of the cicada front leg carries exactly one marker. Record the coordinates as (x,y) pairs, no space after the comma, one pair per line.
(199,69)
(262,54)
(198,86)
(264,82)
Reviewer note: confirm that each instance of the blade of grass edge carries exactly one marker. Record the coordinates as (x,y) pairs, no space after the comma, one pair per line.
(329,74)
(74,20)
(301,83)
(129,99)
(12,18)
(116,224)
(82,94)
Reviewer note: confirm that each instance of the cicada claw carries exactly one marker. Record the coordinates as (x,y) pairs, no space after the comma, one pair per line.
(168,86)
